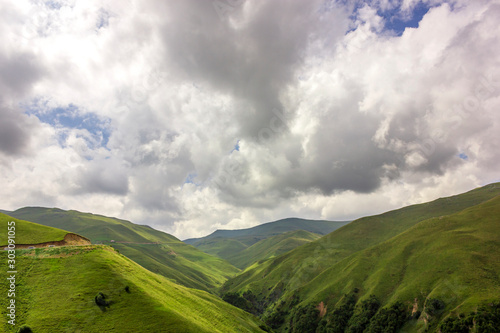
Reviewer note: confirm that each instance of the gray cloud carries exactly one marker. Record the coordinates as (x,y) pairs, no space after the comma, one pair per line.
(255,61)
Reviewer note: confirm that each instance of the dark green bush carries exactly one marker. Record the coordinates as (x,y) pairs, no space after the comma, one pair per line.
(304,319)
(100,300)
(25,329)
(389,320)
(485,320)
(433,306)
(337,320)
(363,313)
(276,319)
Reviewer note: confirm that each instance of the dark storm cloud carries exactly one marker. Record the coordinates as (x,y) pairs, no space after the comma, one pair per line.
(15,131)
(252,53)
(18,72)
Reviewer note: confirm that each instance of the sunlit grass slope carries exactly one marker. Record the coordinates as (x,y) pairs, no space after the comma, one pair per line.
(56,292)
(291,274)
(153,249)
(271,247)
(28,232)
(227,244)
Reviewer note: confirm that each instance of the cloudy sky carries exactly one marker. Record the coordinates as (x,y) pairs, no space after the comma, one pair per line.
(195,115)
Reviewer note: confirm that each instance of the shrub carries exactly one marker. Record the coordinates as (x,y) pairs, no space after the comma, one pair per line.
(389,320)
(363,314)
(127,289)
(25,329)
(338,319)
(304,319)
(100,300)
(433,306)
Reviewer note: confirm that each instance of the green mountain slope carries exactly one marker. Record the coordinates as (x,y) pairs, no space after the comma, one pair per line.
(227,244)
(28,232)
(155,250)
(56,291)
(271,247)
(361,255)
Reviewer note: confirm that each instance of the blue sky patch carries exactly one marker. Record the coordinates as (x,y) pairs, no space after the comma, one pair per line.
(236,146)
(396,22)
(71,117)
(463,156)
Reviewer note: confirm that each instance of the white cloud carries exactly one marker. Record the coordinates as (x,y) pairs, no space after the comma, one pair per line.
(335,117)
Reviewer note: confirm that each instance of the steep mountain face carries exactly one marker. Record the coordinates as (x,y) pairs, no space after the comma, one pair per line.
(234,245)
(155,250)
(95,289)
(445,250)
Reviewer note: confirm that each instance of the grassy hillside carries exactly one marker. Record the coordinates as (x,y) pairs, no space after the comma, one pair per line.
(271,247)
(29,232)
(57,287)
(265,230)
(228,244)
(402,254)
(153,249)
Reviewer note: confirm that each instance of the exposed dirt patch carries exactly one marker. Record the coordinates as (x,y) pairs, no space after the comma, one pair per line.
(322,309)
(69,239)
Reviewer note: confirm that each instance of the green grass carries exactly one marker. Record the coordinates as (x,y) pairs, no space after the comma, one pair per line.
(271,247)
(153,249)
(232,245)
(454,258)
(28,232)
(442,248)
(56,289)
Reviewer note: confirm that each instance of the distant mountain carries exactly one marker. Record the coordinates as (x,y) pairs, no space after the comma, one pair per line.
(153,249)
(271,247)
(229,244)
(254,234)
(438,259)
(94,289)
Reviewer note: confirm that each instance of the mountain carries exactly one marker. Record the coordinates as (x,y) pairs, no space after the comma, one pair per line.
(155,250)
(271,247)
(231,244)
(95,289)
(443,252)
(26,233)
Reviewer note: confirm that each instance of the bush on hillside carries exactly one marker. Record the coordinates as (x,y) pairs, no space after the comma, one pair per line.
(276,319)
(24,329)
(304,319)
(363,314)
(337,320)
(389,320)
(240,302)
(100,300)
(485,320)
(433,306)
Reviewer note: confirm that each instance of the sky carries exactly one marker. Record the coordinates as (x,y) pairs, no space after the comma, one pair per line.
(196,115)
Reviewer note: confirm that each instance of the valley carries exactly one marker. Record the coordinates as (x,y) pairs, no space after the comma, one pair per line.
(428,267)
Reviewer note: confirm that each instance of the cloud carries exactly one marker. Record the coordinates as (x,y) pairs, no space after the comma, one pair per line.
(133,109)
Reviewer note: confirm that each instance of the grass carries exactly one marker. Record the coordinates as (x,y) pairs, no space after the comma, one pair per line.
(153,249)
(447,248)
(56,290)
(28,232)
(271,247)
(236,246)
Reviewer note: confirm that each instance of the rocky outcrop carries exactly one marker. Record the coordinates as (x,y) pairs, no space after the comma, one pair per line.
(69,239)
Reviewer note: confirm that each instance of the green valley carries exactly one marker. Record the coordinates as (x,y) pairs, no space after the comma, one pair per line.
(446,249)
(245,246)
(153,249)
